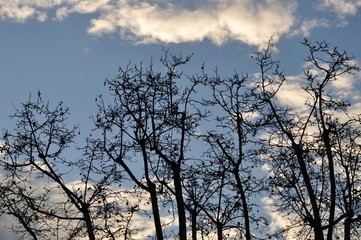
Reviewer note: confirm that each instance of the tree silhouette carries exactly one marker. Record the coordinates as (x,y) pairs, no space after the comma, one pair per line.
(151,123)
(37,188)
(229,146)
(311,151)
(200,155)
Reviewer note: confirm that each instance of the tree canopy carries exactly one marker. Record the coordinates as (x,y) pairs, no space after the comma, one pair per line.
(193,156)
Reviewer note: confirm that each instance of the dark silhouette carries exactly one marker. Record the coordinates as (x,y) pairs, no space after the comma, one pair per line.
(195,154)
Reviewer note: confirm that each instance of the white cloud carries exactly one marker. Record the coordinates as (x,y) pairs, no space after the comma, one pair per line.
(18,13)
(89,6)
(279,221)
(305,27)
(251,22)
(42,17)
(56,199)
(62,13)
(23,10)
(342,8)
(101,26)
(292,94)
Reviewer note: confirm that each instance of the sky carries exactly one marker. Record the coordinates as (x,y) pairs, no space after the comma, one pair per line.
(67,48)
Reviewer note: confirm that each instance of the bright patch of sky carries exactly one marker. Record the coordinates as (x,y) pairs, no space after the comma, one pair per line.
(67,48)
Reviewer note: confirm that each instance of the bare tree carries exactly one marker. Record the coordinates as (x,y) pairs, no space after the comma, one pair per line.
(150,123)
(190,152)
(37,186)
(314,164)
(231,145)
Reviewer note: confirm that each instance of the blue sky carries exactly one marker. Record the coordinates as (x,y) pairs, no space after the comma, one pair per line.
(67,48)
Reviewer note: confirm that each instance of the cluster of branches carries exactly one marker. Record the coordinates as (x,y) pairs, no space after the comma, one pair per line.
(193,153)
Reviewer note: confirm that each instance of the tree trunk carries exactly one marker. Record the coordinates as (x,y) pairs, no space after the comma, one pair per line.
(155,210)
(316,221)
(153,192)
(194,224)
(180,202)
(219,231)
(244,205)
(347,229)
(238,178)
(331,170)
(88,222)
